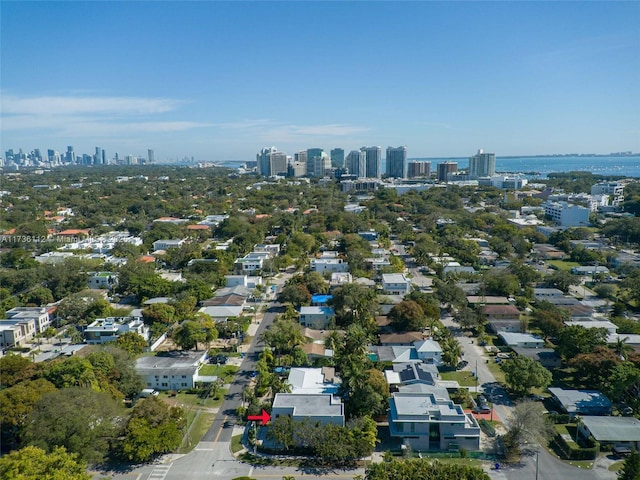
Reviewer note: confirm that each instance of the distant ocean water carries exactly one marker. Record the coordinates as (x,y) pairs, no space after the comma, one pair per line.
(627,166)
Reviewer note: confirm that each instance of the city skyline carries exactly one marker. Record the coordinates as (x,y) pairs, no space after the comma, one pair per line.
(216,81)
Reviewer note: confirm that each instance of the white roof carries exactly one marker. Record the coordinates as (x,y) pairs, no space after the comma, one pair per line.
(394,278)
(222,311)
(309,381)
(513,338)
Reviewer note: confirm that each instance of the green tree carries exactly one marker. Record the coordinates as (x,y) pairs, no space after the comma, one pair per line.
(132,342)
(72,372)
(527,425)
(33,463)
(296,294)
(280,431)
(188,335)
(562,280)
(283,336)
(16,403)
(576,339)
(162,313)
(153,428)
(81,420)
(524,373)
(424,469)
(631,467)
(13,369)
(451,351)
(354,303)
(407,316)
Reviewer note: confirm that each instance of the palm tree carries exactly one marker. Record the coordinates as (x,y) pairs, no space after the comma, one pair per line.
(622,348)
(451,351)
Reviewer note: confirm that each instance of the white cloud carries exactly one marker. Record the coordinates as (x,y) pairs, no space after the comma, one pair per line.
(59,105)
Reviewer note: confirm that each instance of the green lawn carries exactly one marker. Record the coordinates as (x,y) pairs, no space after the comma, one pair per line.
(198,422)
(236,444)
(495,369)
(463,377)
(562,265)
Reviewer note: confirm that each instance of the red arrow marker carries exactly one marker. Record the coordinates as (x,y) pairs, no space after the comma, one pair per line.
(264,417)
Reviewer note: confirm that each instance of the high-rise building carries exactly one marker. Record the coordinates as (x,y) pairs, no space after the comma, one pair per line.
(419,169)
(97,156)
(374,161)
(337,157)
(318,162)
(445,169)
(104,157)
(277,163)
(397,162)
(70,156)
(263,160)
(356,163)
(482,165)
(151,156)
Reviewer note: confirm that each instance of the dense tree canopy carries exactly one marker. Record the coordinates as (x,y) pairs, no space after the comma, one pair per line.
(33,463)
(153,428)
(81,420)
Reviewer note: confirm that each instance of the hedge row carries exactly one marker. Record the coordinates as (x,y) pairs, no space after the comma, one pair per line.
(574,452)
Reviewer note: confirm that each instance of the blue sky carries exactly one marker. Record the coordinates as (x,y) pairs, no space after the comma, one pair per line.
(220,80)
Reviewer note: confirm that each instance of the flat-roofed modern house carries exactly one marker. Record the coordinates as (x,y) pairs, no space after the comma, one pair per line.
(607,430)
(339,279)
(312,380)
(322,408)
(426,423)
(166,244)
(581,402)
(243,281)
(395,284)
(102,280)
(41,316)
(252,262)
(330,265)
(108,329)
(316,317)
(172,370)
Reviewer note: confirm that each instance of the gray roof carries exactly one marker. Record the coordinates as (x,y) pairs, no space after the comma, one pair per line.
(310,405)
(613,429)
(173,363)
(576,401)
(437,391)
(416,372)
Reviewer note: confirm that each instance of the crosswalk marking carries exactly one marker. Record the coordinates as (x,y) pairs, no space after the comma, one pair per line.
(159,472)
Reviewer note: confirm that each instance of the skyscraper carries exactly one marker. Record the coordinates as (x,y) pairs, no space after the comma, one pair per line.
(151,156)
(337,157)
(318,162)
(356,163)
(262,159)
(482,165)
(397,162)
(374,161)
(277,163)
(446,168)
(70,156)
(419,169)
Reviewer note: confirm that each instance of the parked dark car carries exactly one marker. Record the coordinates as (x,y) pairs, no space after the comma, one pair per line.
(221,359)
